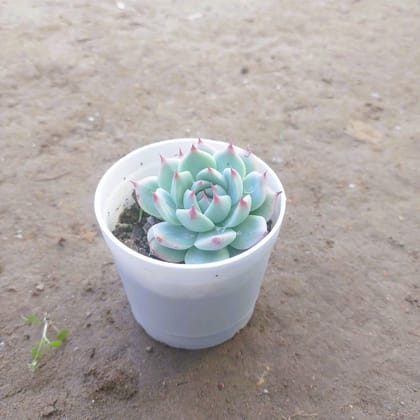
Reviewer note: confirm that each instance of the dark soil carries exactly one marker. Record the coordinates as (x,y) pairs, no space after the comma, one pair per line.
(133,232)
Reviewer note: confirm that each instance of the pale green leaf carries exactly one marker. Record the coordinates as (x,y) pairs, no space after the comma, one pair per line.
(229,158)
(168,166)
(170,236)
(254,185)
(144,189)
(234,183)
(166,254)
(181,182)
(215,239)
(198,256)
(194,220)
(249,232)
(219,208)
(195,160)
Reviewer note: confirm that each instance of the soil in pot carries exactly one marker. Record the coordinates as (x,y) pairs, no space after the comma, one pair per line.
(132,232)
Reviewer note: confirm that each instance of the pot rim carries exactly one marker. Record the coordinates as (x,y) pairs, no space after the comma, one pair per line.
(99,212)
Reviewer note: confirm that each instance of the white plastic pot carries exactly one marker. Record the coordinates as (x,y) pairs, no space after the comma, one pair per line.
(187,306)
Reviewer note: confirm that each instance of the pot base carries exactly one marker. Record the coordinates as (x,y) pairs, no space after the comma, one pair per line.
(197,343)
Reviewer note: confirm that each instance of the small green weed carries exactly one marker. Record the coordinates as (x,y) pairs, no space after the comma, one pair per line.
(44,344)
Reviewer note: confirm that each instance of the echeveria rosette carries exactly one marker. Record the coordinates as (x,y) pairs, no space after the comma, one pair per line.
(213,205)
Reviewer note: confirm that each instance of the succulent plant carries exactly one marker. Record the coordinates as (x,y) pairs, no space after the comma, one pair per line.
(213,205)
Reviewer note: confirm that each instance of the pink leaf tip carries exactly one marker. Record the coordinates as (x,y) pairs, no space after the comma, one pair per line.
(243,202)
(193,212)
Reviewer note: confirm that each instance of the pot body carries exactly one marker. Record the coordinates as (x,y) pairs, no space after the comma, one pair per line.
(189,306)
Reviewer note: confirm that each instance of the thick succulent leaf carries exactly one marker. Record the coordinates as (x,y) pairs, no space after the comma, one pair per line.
(215,239)
(240,212)
(249,160)
(170,236)
(166,254)
(205,147)
(249,232)
(194,220)
(255,185)
(181,181)
(229,158)
(196,160)
(198,256)
(267,208)
(234,184)
(167,168)
(144,193)
(190,200)
(219,208)
(203,201)
(165,206)
(213,176)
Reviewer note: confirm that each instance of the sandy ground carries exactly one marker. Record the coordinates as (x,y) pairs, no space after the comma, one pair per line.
(327,92)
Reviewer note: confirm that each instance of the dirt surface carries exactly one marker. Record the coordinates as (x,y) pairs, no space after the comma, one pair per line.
(327,92)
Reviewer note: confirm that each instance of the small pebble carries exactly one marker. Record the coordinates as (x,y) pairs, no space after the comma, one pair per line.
(149,349)
(352,186)
(120,5)
(40,287)
(266,391)
(220,386)
(195,16)
(402,403)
